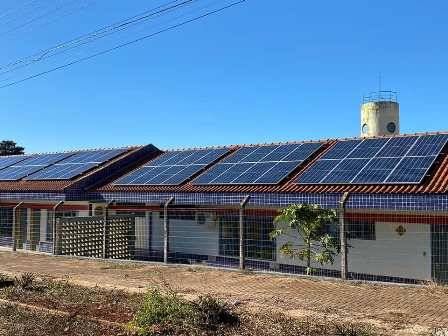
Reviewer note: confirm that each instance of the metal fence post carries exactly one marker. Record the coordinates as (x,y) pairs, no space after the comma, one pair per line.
(14,226)
(242,233)
(54,224)
(166,230)
(343,236)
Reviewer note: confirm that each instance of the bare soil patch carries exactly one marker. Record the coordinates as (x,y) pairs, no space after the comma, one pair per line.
(15,321)
(111,305)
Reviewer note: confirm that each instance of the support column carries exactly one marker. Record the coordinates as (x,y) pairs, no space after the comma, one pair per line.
(242,233)
(106,228)
(166,230)
(56,236)
(14,226)
(343,236)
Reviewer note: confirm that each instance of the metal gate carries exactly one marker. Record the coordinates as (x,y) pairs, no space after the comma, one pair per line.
(110,237)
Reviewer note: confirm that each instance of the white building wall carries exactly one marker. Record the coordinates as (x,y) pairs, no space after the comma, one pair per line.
(406,256)
(43,225)
(187,236)
(157,232)
(142,231)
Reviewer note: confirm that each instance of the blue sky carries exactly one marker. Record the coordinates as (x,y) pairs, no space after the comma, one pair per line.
(263,71)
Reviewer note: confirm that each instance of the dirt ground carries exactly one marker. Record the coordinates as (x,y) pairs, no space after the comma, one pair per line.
(405,310)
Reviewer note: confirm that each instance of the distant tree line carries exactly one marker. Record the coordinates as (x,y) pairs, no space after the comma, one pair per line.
(9,147)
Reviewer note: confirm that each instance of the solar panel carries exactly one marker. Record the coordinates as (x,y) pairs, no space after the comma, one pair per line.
(377,170)
(395,160)
(172,168)
(341,149)
(258,164)
(345,171)
(75,164)
(6,161)
(30,165)
(367,148)
(93,156)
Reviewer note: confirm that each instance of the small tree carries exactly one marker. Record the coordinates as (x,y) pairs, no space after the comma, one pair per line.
(307,222)
(8,147)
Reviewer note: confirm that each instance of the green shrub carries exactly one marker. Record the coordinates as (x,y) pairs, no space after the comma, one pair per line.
(162,312)
(168,314)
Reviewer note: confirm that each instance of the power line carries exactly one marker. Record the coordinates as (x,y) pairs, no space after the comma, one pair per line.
(197,18)
(37,18)
(84,5)
(95,35)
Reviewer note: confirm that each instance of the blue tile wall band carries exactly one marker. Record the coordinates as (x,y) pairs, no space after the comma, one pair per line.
(398,202)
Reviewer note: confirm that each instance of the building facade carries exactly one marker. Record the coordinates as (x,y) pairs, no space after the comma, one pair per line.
(129,207)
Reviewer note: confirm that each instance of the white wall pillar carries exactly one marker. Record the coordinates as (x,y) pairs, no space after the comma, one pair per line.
(43,225)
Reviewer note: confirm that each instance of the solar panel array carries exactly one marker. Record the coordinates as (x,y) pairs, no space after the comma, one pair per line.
(30,165)
(395,160)
(172,168)
(75,164)
(258,164)
(6,161)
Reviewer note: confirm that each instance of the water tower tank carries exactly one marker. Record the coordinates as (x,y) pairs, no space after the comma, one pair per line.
(380,114)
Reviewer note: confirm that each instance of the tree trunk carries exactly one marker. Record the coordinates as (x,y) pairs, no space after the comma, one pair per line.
(308,257)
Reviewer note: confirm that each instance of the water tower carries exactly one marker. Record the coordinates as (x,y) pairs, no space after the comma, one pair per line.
(380,114)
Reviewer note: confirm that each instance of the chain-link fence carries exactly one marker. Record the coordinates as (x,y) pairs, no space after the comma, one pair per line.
(380,245)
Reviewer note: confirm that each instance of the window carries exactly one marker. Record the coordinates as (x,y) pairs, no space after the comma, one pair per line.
(257,230)
(5,222)
(391,127)
(332,229)
(364,230)
(365,129)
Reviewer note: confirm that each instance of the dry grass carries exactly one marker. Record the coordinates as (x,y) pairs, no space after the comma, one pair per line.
(269,323)
(121,266)
(436,288)
(398,310)
(45,307)
(112,305)
(15,321)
